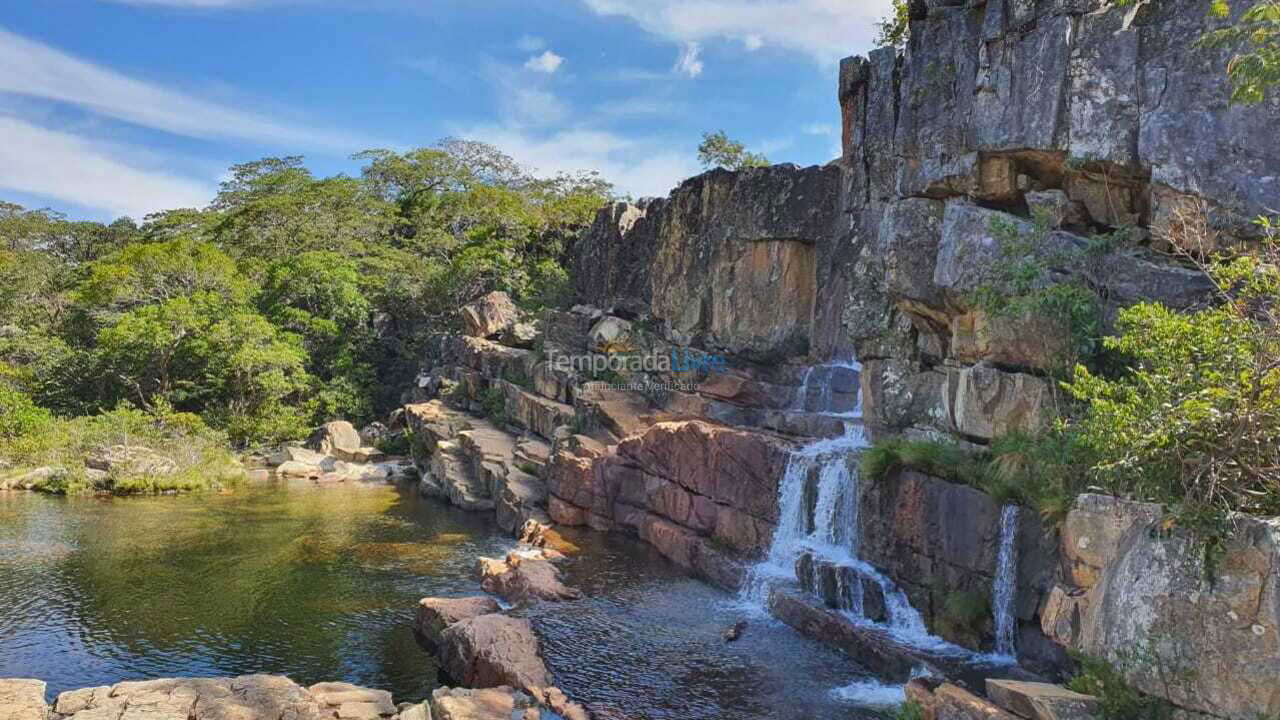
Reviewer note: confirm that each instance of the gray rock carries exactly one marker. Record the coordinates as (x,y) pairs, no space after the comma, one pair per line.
(1041,701)
(490,315)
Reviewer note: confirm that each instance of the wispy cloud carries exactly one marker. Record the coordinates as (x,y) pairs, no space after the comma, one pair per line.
(530,43)
(76,170)
(819,129)
(638,166)
(548,62)
(825,30)
(36,70)
(690,60)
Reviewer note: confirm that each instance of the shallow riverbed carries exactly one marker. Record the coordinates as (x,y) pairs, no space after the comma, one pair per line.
(322,583)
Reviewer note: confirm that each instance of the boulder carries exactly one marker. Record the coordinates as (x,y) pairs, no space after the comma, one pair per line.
(1041,701)
(338,438)
(352,702)
(1144,590)
(435,615)
(373,433)
(249,697)
(522,576)
(489,316)
(22,700)
(130,460)
(610,334)
(521,335)
(491,651)
(31,479)
(503,703)
(984,402)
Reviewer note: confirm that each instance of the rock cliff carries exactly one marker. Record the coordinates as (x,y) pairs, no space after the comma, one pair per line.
(786,298)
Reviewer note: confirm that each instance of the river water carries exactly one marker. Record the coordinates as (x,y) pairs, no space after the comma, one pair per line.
(322,584)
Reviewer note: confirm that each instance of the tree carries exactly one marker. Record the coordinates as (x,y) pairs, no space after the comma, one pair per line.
(894,29)
(717,150)
(1254,67)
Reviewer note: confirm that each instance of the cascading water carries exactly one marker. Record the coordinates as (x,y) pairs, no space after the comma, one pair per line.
(1004,586)
(833,535)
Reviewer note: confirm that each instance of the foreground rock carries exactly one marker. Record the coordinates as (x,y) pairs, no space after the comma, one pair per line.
(1041,701)
(946,701)
(248,697)
(22,700)
(435,615)
(502,703)
(491,651)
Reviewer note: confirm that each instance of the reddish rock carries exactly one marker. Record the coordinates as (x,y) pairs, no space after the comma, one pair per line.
(519,578)
(493,650)
(435,615)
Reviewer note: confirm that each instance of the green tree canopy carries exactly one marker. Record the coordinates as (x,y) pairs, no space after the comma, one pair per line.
(717,150)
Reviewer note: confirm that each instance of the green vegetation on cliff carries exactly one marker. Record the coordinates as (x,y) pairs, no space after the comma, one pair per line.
(289,301)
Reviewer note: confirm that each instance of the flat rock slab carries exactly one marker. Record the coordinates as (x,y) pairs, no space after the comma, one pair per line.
(22,700)
(249,697)
(435,615)
(1041,701)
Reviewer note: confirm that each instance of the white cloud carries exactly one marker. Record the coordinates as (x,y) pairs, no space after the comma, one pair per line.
(534,106)
(825,30)
(689,62)
(752,41)
(819,129)
(36,70)
(76,170)
(530,43)
(548,62)
(639,166)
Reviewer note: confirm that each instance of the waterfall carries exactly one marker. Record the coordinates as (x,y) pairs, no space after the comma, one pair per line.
(802,396)
(833,535)
(1005,584)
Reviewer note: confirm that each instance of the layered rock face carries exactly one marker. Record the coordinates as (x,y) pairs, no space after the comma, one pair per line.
(1053,121)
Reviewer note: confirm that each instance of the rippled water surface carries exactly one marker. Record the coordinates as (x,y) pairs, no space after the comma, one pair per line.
(322,583)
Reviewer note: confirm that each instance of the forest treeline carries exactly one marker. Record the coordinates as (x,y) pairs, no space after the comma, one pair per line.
(288,301)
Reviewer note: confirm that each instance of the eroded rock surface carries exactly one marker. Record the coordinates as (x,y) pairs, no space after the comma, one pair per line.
(493,650)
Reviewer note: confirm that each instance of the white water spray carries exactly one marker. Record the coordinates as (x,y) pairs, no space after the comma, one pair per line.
(1004,587)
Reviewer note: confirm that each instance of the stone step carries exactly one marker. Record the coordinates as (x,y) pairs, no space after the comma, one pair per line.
(1041,701)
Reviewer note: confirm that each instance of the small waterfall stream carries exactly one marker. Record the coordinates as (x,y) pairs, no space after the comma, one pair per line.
(1004,586)
(831,536)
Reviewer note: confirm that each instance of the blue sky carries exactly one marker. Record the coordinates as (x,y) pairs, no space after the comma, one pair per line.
(115,107)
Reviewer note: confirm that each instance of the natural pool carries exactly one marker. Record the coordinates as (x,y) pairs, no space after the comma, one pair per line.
(322,584)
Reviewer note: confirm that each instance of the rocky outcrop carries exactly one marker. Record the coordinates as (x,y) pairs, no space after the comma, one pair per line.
(338,438)
(23,700)
(523,576)
(491,651)
(728,262)
(489,316)
(130,460)
(322,463)
(435,615)
(503,703)
(1041,701)
(248,697)
(1132,594)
